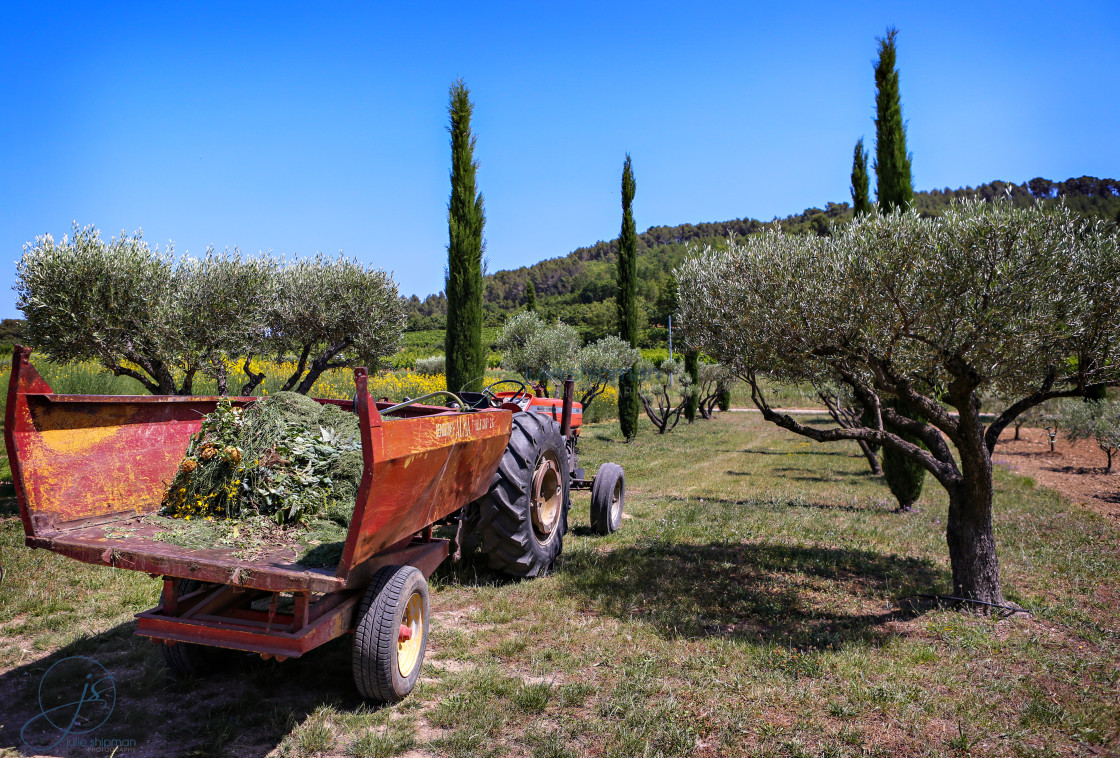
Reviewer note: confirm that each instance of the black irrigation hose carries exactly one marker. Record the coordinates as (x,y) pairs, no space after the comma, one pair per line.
(1009,608)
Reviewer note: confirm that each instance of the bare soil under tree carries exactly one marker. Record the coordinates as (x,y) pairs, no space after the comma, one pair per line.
(1075,469)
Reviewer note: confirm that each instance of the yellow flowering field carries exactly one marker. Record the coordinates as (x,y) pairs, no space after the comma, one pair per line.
(90,378)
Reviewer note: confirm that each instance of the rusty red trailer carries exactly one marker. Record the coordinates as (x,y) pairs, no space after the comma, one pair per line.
(86,470)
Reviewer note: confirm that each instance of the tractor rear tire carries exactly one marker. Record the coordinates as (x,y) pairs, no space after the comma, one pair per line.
(392,634)
(520,523)
(608,494)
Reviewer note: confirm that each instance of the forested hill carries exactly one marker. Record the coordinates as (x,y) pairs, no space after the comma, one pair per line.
(579,287)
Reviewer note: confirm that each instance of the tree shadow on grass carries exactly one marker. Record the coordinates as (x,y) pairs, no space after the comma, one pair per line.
(877,506)
(245,709)
(8,506)
(805,597)
(1079,470)
(840,453)
(799,474)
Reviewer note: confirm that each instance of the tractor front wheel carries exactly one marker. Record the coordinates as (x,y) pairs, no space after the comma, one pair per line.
(608,493)
(392,634)
(520,523)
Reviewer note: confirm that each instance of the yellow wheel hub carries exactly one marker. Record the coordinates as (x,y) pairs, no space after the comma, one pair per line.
(411,635)
(546,496)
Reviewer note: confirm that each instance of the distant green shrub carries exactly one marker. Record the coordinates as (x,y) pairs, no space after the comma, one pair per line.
(432,366)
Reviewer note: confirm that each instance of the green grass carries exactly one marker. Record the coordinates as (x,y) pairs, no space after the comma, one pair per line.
(753,603)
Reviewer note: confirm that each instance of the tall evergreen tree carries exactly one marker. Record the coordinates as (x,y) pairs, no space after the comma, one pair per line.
(629,402)
(861,189)
(894,186)
(895,190)
(530,296)
(692,368)
(466,357)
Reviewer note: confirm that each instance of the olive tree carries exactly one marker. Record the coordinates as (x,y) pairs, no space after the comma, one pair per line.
(537,350)
(1097,420)
(331,313)
(602,362)
(661,382)
(935,312)
(223,300)
(435,365)
(714,380)
(138,311)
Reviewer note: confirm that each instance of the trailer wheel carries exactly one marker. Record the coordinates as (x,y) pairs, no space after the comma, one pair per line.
(184,659)
(392,634)
(520,523)
(608,493)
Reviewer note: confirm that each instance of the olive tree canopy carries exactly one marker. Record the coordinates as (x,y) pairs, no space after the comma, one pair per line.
(544,353)
(333,313)
(539,351)
(602,362)
(138,311)
(1020,303)
(161,320)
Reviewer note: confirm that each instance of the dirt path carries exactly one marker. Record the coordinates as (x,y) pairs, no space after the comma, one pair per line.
(1076,470)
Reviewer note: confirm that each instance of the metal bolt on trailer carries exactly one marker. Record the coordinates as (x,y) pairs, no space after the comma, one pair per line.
(87,468)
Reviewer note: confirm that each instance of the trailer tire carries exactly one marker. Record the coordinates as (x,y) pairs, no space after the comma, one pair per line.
(386,665)
(520,523)
(186,659)
(608,494)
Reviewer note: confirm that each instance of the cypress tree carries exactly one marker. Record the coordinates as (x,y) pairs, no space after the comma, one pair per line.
(895,190)
(628,399)
(530,297)
(894,186)
(723,399)
(903,474)
(692,368)
(861,191)
(466,358)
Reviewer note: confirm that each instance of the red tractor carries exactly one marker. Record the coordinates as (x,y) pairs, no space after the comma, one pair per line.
(520,523)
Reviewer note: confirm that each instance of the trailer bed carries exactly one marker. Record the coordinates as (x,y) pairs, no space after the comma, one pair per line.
(88,468)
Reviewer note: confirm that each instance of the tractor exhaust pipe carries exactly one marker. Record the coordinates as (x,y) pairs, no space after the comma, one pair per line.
(566,414)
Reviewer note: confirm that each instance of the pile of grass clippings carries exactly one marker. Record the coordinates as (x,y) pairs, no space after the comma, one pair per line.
(282,470)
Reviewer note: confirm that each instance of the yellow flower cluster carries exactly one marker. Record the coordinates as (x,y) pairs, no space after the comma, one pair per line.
(603,407)
(610,395)
(339,383)
(179,505)
(397,385)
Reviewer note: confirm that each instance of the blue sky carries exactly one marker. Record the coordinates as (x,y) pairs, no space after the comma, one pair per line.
(305,127)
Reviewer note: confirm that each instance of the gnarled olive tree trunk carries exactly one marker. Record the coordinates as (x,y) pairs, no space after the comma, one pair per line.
(968,530)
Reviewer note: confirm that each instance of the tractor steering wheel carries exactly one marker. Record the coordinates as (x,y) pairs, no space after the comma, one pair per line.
(522,391)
